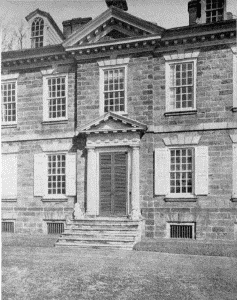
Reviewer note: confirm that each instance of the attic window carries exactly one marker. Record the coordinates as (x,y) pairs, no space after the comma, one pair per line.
(214,10)
(37,33)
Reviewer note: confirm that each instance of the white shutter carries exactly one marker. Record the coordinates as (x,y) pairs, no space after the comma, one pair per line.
(71,174)
(234,192)
(9,176)
(40,174)
(162,169)
(201,170)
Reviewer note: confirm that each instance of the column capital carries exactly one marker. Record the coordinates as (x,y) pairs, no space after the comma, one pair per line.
(90,148)
(135,147)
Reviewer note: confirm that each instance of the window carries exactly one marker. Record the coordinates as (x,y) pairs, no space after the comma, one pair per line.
(55,106)
(181,230)
(55,227)
(37,33)
(181,171)
(57,174)
(182,85)
(9,99)
(114,90)
(8,226)
(214,10)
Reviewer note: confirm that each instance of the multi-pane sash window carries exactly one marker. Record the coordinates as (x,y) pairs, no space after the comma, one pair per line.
(214,10)
(57,174)
(114,90)
(181,171)
(182,85)
(37,33)
(9,102)
(56,97)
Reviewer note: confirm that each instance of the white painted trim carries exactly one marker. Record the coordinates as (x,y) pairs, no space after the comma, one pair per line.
(168,64)
(142,39)
(45,102)
(110,67)
(234,49)
(234,175)
(56,147)
(113,62)
(184,55)
(12,76)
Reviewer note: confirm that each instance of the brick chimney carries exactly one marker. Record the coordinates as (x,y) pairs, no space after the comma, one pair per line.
(72,25)
(194,10)
(122,4)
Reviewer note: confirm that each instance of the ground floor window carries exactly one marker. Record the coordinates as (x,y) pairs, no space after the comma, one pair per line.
(57,174)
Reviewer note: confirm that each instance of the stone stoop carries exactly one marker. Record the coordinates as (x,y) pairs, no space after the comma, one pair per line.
(112,233)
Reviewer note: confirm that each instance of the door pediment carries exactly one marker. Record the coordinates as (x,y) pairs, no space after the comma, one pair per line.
(112,123)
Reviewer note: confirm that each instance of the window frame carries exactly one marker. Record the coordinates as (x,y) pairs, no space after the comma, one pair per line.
(168,64)
(56,174)
(46,117)
(182,195)
(7,81)
(33,38)
(102,91)
(216,10)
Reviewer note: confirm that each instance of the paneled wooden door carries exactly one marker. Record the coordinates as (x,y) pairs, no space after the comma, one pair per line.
(113,184)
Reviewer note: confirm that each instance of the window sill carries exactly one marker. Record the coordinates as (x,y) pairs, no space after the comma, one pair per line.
(180,112)
(54,122)
(234,109)
(189,198)
(234,199)
(9,125)
(9,199)
(54,199)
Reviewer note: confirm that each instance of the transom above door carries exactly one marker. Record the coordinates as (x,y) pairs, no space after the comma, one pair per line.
(113,183)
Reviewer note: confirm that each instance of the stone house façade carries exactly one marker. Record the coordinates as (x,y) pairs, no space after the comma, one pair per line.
(119,118)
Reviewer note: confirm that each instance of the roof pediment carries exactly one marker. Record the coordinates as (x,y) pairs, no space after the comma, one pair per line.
(115,24)
(112,122)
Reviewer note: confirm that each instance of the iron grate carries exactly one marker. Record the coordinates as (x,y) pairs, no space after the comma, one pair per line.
(8,227)
(180,231)
(55,228)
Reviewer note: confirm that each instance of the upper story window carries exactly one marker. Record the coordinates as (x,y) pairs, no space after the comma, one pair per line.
(113,85)
(9,102)
(182,85)
(55,102)
(114,90)
(214,10)
(37,33)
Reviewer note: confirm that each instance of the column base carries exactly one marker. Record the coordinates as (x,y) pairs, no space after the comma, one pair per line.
(78,214)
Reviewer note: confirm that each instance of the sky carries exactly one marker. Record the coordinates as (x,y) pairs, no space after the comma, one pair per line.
(166,13)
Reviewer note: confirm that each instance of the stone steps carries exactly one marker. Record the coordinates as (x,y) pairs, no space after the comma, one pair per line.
(101,233)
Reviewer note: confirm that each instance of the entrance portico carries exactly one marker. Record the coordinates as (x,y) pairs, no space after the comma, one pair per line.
(113,145)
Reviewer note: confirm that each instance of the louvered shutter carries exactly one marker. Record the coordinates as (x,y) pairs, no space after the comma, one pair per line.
(71,174)
(9,176)
(162,170)
(40,174)
(234,192)
(201,170)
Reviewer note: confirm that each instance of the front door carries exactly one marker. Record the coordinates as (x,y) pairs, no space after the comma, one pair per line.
(113,184)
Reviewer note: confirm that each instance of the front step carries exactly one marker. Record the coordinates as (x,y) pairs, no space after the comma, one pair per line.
(103,233)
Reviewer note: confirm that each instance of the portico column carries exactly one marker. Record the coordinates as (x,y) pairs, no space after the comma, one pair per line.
(135,214)
(91,181)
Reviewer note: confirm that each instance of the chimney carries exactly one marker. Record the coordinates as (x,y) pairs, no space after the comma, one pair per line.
(194,10)
(72,25)
(122,4)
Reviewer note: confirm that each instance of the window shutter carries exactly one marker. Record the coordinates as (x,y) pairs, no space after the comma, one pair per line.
(162,169)
(234,171)
(9,176)
(201,170)
(71,174)
(40,174)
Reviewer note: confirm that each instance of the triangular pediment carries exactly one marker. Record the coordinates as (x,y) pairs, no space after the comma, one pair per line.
(112,122)
(113,24)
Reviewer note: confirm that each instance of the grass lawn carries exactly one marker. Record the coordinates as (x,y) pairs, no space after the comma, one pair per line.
(33,271)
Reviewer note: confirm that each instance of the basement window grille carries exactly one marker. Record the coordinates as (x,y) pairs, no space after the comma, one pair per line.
(55,228)
(182,231)
(8,227)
